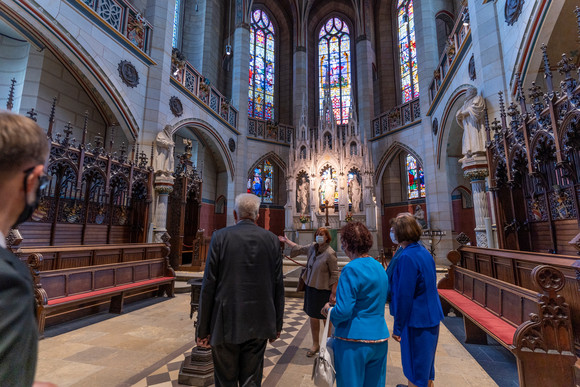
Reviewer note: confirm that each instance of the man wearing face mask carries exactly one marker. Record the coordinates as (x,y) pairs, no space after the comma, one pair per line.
(23,153)
(320,278)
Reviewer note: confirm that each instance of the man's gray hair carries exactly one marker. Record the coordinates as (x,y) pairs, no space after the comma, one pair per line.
(22,142)
(247,206)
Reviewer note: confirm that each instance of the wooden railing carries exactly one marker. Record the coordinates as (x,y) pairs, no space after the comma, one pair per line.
(455,42)
(399,116)
(269,130)
(124,18)
(199,86)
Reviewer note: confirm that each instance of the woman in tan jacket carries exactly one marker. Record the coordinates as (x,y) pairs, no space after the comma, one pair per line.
(320,277)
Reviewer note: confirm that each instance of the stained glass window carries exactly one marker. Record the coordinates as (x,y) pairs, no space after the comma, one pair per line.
(334,67)
(261,182)
(176,18)
(261,94)
(407,50)
(416,179)
(328,184)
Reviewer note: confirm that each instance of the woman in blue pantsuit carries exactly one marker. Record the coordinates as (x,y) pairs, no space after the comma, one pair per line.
(415,304)
(361,333)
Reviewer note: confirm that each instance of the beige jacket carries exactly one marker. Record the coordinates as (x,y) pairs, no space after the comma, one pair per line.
(322,265)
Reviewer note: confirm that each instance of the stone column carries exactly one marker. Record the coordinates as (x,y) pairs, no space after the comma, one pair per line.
(365,97)
(299,84)
(163,187)
(240,87)
(475,169)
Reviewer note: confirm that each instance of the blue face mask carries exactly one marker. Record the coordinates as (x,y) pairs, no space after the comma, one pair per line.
(392,235)
(320,239)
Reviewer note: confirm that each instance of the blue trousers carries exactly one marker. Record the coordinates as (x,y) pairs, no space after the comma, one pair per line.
(418,346)
(360,364)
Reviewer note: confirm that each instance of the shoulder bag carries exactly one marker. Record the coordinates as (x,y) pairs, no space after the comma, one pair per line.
(323,372)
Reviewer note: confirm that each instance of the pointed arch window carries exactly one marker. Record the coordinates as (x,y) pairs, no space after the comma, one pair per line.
(262,181)
(262,55)
(407,50)
(334,67)
(415,179)
(176,22)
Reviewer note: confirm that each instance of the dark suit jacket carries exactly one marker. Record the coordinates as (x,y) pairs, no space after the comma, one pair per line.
(242,296)
(18,326)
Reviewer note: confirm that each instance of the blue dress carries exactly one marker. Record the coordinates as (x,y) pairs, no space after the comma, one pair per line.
(417,310)
(359,315)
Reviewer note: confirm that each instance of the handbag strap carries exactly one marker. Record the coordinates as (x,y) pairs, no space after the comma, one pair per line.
(325,334)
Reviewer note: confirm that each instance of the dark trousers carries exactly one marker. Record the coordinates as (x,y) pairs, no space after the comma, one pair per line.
(241,363)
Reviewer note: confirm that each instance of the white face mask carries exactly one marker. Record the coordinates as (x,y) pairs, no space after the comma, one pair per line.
(320,239)
(393,237)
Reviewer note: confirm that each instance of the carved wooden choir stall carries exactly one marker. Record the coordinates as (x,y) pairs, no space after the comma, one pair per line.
(86,243)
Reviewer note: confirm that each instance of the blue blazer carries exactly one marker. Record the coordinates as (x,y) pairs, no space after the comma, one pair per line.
(361,296)
(415,299)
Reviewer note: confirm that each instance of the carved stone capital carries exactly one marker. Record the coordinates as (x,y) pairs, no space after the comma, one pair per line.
(163,189)
(476,174)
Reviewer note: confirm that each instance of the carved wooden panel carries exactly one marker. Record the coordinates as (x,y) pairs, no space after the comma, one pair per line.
(503,269)
(483,264)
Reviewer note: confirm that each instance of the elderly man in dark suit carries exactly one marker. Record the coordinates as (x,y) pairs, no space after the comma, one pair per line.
(242,296)
(23,152)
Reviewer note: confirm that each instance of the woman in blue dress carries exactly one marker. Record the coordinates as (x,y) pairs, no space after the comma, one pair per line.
(361,333)
(415,304)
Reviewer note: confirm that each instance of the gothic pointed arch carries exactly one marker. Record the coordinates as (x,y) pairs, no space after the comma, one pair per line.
(212,138)
(93,78)
(266,178)
(448,117)
(395,149)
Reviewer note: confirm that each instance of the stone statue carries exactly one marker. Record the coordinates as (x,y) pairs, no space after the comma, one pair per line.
(470,118)
(420,216)
(329,190)
(302,196)
(355,195)
(164,156)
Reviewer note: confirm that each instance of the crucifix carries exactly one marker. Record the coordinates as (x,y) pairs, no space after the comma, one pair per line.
(326,211)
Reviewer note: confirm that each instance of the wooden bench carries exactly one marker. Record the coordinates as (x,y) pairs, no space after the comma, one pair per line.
(65,294)
(515,267)
(71,256)
(535,327)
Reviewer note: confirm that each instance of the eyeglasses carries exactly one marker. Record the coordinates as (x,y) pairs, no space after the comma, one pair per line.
(43,179)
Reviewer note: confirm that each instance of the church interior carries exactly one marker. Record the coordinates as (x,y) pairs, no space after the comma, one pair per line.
(465,113)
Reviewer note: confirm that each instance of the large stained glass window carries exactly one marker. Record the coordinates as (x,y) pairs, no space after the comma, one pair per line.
(407,50)
(416,179)
(261,94)
(334,67)
(176,18)
(261,182)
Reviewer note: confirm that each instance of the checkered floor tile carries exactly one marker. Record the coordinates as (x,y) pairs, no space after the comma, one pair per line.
(294,320)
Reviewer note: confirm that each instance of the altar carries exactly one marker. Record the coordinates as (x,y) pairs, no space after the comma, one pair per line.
(329,179)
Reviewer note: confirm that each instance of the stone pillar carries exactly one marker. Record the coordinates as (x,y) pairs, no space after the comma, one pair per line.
(365,97)
(163,187)
(475,169)
(300,81)
(240,87)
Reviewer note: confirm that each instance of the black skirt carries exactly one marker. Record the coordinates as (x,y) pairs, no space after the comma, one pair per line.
(314,301)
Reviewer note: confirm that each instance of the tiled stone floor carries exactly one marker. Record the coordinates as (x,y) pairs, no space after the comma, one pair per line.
(145,347)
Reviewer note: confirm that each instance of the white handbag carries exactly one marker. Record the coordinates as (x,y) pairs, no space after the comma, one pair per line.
(323,372)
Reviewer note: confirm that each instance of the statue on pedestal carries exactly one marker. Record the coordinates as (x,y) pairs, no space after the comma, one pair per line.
(164,146)
(302,195)
(329,190)
(470,117)
(420,216)
(355,195)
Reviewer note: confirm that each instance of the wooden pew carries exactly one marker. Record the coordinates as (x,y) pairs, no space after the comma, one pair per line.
(515,267)
(66,294)
(535,327)
(71,256)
